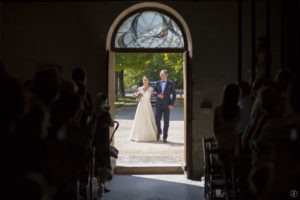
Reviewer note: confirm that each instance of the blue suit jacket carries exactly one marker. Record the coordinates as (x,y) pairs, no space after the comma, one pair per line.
(169,90)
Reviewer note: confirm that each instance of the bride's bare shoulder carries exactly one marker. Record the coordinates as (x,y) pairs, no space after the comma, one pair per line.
(151,88)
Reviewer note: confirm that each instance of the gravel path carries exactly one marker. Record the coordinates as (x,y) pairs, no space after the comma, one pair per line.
(150,153)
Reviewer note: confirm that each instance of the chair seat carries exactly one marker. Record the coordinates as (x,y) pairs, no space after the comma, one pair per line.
(218,182)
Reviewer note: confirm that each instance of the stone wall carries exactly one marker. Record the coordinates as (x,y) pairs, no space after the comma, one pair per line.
(74,34)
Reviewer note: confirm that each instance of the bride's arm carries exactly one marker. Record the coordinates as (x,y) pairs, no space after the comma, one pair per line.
(153,91)
(137,97)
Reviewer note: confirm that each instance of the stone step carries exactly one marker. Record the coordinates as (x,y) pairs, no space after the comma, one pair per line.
(148,170)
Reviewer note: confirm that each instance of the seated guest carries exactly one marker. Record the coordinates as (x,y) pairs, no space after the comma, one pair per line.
(52,66)
(79,75)
(64,109)
(285,167)
(254,116)
(20,161)
(12,103)
(87,112)
(46,86)
(226,118)
(64,155)
(245,104)
(283,78)
(12,109)
(102,140)
(269,134)
(269,98)
(28,84)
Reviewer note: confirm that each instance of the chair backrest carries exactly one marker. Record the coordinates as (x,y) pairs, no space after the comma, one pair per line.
(208,145)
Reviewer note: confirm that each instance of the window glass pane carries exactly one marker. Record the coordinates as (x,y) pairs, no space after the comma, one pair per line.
(149,29)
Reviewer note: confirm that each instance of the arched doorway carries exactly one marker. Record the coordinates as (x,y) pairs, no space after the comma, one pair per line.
(120,41)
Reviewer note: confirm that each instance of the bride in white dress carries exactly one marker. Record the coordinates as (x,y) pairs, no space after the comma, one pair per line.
(144,128)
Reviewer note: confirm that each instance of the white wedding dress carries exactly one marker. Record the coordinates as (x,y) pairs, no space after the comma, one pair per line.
(144,128)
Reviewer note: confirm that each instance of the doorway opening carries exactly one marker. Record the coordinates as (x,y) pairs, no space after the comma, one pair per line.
(153,28)
(130,68)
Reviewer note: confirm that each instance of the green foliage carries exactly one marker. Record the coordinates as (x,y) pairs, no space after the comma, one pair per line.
(137,65)
(135,61)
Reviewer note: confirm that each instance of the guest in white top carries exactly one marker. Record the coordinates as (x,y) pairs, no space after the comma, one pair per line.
(226,118)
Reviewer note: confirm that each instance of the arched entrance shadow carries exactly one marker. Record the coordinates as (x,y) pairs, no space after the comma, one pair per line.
(147,187)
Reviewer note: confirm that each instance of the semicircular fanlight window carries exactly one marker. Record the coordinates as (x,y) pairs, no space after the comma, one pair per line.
(149,29)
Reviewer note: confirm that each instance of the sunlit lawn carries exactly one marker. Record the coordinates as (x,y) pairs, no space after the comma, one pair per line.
(129,100)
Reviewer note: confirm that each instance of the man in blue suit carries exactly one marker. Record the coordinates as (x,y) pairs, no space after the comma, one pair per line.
(165,99)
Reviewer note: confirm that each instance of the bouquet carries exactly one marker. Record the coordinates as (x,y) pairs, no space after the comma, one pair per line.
(138,95)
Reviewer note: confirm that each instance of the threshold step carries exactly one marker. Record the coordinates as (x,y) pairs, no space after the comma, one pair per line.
(148,170)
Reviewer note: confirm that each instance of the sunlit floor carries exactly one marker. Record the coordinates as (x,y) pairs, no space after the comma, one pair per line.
(150,153)
(154,187)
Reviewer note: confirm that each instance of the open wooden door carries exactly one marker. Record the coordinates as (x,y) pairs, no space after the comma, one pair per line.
(111,92)
(111,81)
(187,113)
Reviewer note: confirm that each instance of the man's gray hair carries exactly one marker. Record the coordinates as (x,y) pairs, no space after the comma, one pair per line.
(164,71)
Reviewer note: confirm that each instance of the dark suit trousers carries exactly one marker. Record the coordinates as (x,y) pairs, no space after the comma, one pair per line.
(162,110)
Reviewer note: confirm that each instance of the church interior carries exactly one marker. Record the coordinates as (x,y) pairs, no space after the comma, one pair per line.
(241,68)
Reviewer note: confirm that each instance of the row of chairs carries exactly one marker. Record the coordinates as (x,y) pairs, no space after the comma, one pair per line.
(220,179)
(87,183)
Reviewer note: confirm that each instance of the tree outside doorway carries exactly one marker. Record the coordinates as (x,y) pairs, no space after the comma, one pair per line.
(131,67)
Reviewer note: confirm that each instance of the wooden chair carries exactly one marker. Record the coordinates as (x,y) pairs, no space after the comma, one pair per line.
(214,174)
(87,185)
(219,173)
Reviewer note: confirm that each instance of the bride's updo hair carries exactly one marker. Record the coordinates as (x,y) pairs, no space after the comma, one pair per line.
(146,77)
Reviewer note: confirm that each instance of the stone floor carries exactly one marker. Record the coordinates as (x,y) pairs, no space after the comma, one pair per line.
(154,187)
(150,153)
